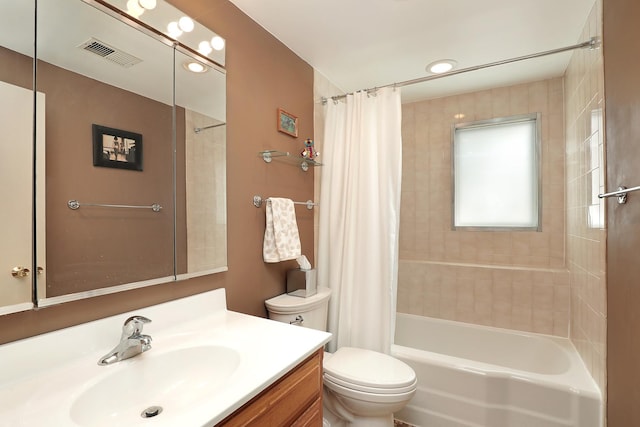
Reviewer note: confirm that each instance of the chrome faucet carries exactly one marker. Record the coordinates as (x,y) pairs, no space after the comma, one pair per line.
(132,342)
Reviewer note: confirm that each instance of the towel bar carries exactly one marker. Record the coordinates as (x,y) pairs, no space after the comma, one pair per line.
(257,202)
(621,193)
(74,204)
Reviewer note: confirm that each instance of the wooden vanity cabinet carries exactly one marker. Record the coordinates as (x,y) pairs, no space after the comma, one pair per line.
(294,400)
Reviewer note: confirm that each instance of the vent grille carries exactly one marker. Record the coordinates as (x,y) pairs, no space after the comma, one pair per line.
(109,53)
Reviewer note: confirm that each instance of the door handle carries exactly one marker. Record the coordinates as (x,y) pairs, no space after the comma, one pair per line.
(20,272)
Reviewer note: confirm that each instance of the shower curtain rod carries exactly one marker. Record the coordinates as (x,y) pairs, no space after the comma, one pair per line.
(592,43)
(198,130)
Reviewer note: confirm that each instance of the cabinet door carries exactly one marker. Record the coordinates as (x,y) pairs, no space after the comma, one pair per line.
(295,400)
(16,189)
(312,417)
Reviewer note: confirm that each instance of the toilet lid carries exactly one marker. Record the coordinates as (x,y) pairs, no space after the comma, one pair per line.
(368,370)
(288,304)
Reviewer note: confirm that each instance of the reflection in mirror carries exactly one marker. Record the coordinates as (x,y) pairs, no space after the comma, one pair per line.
(97,70)
(16,154)
(170,21)
(201,177)
(101,71)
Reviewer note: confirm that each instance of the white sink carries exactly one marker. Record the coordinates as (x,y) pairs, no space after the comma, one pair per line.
(206,363)
(173,381)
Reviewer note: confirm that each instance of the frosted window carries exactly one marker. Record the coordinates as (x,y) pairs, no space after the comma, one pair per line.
(595,152)
(496,174)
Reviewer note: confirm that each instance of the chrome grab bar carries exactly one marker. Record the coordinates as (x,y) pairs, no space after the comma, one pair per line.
(621,193)
(74,204)
(258,200)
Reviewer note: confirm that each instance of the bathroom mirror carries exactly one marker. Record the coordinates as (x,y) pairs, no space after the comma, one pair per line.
(113,131)
(16,154)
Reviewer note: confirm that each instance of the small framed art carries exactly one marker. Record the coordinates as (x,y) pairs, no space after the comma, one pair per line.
(115,148)
(287,123)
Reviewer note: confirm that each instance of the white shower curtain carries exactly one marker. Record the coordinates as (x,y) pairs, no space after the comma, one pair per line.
(360,216)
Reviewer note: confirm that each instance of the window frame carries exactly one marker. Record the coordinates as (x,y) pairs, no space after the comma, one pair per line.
(537,159)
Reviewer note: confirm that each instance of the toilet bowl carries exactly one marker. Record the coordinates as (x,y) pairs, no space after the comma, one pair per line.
(365,388)
(361,387)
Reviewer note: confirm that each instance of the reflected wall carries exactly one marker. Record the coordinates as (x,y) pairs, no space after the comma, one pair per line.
(93,247)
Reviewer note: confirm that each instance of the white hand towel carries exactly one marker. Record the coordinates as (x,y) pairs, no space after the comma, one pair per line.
(281,238)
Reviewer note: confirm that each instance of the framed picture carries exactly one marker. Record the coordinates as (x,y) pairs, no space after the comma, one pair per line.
(115,148)
(287,123)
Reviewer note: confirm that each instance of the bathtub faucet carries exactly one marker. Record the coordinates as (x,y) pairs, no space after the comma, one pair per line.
(132,341)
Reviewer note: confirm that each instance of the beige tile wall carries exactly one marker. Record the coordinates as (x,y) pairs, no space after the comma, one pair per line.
(586,234)
(206,214)
(513,280)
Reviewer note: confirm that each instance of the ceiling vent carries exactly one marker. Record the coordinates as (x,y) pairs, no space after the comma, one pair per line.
(109,53)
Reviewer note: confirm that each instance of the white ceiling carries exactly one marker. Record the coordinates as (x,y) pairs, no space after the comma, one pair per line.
(360,44)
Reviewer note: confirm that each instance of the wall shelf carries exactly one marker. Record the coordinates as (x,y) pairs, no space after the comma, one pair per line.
(304,163)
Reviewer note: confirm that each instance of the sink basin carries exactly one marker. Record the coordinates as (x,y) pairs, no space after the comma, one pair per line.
(174,381)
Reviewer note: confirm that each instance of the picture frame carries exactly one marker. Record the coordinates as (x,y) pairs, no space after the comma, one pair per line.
(116,148)
(287,123)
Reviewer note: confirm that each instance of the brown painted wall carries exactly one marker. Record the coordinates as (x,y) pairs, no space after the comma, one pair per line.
(91,248)
(622,96)
(16,69)
(262,76)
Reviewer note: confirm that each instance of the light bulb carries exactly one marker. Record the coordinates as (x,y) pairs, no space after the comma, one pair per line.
(186,24)
(196,67)
(134,9)
(173,29)
(204,48)
(147,4)
(441,66)
(217,42)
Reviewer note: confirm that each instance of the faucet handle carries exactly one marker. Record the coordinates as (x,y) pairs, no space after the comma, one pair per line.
(133,325)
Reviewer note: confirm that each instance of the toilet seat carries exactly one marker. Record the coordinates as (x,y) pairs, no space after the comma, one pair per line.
(364,396)
(368,371)
(330,380)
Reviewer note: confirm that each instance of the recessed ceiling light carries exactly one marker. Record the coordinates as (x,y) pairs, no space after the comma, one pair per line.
(195,67)
(441,66)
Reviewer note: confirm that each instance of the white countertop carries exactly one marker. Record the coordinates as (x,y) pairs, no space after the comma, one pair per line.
(41,377)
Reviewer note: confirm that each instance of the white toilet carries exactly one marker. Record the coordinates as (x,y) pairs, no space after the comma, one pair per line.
(361,387)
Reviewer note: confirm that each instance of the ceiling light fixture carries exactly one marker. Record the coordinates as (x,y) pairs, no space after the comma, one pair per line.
(134,9)
(195,67)
(186,24)
(441,66)
(173,29)
(204,48)
(217,43)
(147,4)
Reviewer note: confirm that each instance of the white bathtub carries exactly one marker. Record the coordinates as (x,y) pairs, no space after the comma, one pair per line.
(479,376)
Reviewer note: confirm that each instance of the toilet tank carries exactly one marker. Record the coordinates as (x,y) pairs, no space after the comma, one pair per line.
(310,312)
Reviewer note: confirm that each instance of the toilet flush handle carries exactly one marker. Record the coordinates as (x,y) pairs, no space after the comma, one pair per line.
(297,321)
